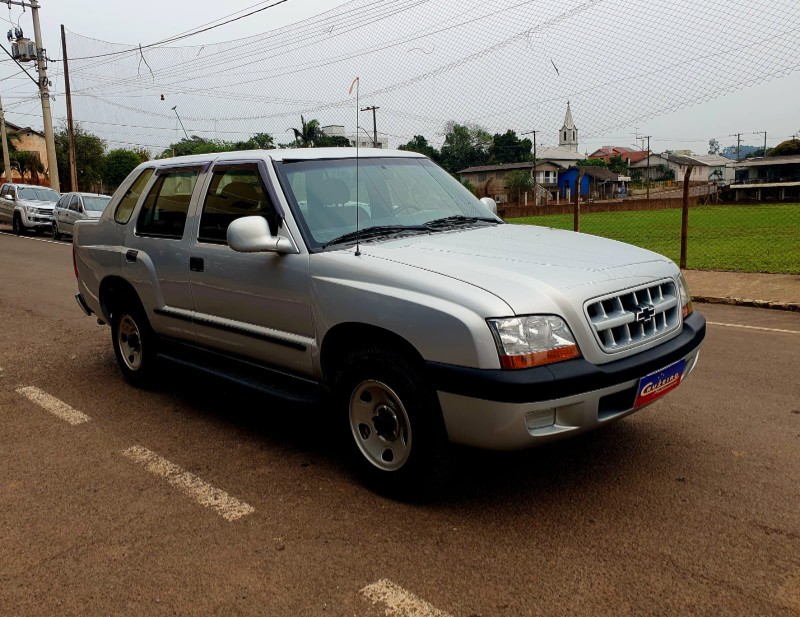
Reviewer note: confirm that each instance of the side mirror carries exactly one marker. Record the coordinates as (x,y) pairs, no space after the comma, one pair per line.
(489,203)
(251,234)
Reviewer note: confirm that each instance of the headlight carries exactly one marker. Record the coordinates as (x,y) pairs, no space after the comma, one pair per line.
(32,210)
(533,340)
(686,299)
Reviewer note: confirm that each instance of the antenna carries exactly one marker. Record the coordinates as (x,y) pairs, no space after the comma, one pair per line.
(356,83)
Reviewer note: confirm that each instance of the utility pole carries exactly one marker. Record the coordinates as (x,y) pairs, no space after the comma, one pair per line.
(738,137)
(647,137)
(4,137)
(44,91)
(764,133)
(373,109)
(535,195)
(73,168)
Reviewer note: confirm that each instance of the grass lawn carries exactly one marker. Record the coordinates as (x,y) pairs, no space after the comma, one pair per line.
(759,238)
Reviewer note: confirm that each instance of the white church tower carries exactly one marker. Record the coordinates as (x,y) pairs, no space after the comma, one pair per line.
(568,137)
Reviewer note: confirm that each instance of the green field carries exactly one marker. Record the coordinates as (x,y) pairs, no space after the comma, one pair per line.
(759,238)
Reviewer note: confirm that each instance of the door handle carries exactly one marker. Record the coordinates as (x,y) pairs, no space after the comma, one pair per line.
(196,264)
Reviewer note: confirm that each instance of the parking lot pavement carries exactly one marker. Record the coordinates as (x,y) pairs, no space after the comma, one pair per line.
(689,506)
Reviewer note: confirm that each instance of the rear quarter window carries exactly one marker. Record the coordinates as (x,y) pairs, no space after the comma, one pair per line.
(128,202)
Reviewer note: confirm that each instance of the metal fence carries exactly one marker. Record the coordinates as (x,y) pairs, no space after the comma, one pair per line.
(744,236)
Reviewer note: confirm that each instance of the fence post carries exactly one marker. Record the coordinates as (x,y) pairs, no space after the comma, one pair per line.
(576,216)
(685,216)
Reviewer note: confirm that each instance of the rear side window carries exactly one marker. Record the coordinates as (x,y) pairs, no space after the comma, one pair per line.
(234,192)
(163,214)
(128,202)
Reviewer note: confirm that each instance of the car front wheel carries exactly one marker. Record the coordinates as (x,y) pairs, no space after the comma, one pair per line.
(17,225)
(56,234)
(396,432)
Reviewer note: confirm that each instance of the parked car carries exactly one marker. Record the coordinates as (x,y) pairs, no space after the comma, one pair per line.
(73,207)
(27,207)
(379,284)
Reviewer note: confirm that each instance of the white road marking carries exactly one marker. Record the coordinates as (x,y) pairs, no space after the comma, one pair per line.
(228,507)
(736,325)
(11,233)
(398,601)
(51,404)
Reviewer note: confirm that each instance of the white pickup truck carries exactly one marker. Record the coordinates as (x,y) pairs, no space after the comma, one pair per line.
(381,285)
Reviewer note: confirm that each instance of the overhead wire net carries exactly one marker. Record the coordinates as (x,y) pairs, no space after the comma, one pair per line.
(500,64)
(493,64)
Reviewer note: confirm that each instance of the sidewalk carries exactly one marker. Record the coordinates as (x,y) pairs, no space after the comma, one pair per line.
(779,291)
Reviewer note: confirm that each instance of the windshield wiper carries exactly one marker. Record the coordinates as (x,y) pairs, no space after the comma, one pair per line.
(378,231)
(458,219)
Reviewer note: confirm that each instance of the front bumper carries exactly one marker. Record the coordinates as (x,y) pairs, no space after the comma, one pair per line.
(510,410)
(34,221)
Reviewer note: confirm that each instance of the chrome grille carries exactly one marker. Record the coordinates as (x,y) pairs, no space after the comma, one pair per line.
(634,317)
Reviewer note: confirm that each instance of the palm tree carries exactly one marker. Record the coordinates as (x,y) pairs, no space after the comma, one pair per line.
(28,162)
(308,133)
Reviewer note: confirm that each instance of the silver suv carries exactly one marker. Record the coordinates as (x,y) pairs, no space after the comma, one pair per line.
(381,284)
(27,207)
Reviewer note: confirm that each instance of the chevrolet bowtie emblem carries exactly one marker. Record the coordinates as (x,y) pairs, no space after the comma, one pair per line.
(644,313)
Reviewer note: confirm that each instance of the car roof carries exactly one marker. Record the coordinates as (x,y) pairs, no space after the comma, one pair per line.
(285,154)
(28,186)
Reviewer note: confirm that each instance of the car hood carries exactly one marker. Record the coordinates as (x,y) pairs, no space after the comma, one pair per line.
(48,205)
(522,264)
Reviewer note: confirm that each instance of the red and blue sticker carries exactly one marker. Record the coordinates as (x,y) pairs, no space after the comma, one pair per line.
(658,383)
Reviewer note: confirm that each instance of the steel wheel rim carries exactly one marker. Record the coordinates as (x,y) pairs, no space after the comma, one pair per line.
(380,425)
(129,341)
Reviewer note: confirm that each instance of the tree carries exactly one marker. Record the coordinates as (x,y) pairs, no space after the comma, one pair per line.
(332,141)
(464,146)
(420,144)
(785,148)
(89,157)
(713,146)
(28,163)
(307,134)
(592,162)
(519,181)
(617,165)
(508,148)
(119,163)
(192,145)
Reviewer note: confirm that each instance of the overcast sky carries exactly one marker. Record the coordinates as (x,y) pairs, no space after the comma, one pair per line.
(769,105)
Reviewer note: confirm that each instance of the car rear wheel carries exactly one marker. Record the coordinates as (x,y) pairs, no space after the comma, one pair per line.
(134,343)
(396,433)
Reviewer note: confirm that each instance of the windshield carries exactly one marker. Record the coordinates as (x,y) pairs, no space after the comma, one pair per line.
(95,204)
(393,193)
(39,194)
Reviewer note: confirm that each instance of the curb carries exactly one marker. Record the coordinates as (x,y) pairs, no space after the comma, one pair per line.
(764,304)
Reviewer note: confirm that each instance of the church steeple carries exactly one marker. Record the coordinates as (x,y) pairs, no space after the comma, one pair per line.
(568,136)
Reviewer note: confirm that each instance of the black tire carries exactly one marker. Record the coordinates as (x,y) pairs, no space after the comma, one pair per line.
(17,225)
(393,422)
(56,234)
(134,342)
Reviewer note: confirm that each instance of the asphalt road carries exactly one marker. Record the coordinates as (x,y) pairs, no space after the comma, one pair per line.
(202,499)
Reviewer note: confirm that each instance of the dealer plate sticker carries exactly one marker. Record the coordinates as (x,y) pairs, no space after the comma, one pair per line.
(659,383)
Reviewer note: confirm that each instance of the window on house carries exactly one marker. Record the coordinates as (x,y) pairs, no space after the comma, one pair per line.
(481,177)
